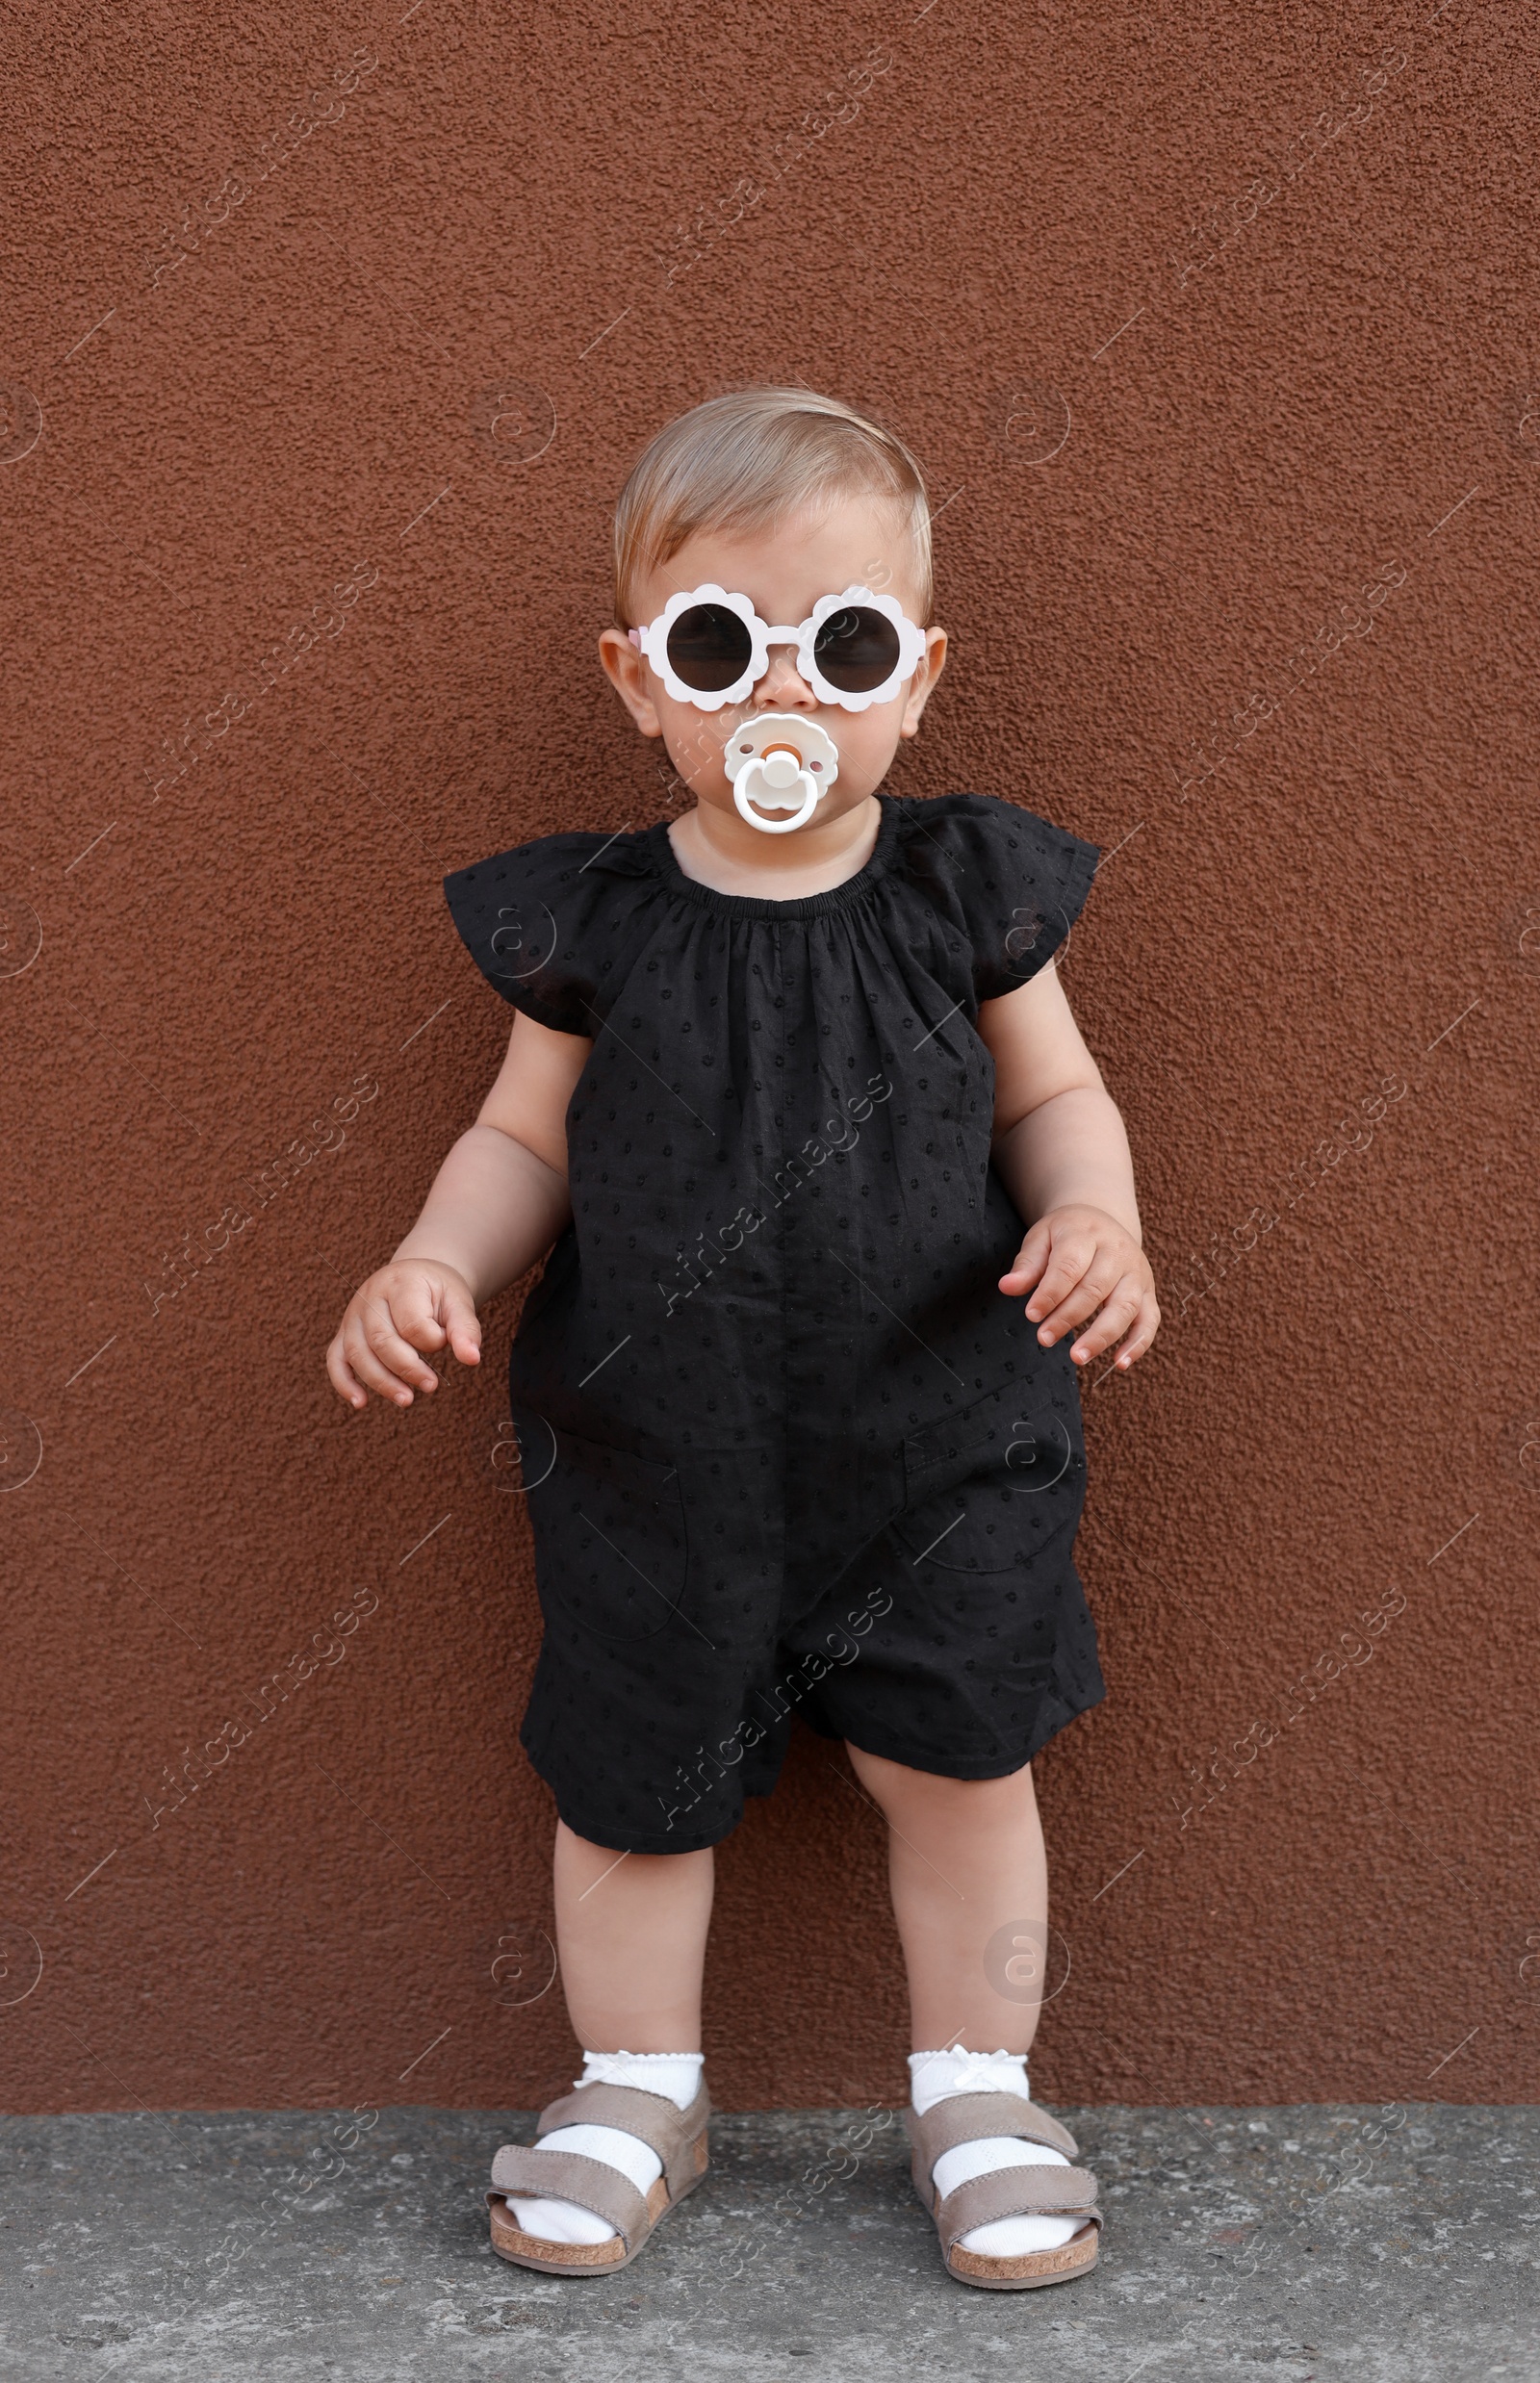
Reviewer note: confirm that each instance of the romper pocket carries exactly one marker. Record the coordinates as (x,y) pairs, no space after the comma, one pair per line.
(997,1486)
(609,1539)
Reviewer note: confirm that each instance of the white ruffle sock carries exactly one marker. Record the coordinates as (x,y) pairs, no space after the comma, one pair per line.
(936,2075)
(677,2075)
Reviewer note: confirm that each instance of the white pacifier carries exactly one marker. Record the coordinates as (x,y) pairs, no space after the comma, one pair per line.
(783,763)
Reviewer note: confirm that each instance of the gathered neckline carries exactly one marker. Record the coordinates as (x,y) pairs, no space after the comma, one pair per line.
(658,850)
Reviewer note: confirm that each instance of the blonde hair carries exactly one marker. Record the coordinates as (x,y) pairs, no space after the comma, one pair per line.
(748,459)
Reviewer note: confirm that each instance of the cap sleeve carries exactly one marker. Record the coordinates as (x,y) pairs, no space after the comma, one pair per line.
(535,920)
(1011,881)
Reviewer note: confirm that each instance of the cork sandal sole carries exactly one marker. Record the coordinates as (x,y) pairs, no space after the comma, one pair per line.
(531,2251)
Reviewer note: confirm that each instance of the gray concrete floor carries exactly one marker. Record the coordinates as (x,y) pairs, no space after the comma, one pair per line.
(1384,2246)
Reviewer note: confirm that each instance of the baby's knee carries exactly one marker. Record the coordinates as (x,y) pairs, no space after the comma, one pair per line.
(960,1802)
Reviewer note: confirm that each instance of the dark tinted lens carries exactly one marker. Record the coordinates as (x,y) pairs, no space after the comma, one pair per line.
(857,649)
(709,647)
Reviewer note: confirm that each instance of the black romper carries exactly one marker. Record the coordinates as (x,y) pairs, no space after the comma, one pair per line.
(787,1446)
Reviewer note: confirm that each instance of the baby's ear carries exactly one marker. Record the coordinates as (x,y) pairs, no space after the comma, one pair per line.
(627,671)
(924,679)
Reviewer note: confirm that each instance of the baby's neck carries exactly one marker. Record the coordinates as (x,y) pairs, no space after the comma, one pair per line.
(719,850)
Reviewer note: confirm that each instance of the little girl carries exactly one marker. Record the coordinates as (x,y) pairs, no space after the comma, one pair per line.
(825,1180)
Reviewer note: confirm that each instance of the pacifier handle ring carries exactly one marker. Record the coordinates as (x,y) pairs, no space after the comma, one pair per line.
(777,827)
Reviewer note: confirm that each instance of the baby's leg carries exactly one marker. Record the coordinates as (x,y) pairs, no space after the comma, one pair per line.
(630,1929)
(965,1857)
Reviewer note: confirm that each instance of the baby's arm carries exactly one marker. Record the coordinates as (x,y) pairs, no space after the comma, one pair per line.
(1063,1154)
(498,1202)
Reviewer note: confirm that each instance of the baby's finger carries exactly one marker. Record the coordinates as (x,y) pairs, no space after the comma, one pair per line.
(413,1308)
(461,1323)
(1064,1268)
(1074,1288)
(1029,1260)
(385,1344)
(366,1369)
(1121,1308)
(369,1370)
(1149,1323)
(344,1380)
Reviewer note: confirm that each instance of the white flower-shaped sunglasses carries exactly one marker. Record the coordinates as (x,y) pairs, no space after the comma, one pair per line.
(709,647)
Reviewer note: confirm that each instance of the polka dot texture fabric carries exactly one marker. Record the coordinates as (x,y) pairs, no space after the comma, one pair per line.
(785,1445)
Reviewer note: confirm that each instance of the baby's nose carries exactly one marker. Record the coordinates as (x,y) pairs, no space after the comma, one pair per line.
(781,686)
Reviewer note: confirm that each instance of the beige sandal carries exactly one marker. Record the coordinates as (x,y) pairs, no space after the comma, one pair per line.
(1045,2191)
(678,2136)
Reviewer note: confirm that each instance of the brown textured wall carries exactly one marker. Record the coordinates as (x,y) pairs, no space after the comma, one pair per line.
(1215,332)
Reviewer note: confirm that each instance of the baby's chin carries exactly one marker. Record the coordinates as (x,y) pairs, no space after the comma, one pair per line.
(828,814)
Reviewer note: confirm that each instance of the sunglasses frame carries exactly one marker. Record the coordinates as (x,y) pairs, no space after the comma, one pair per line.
(652,642)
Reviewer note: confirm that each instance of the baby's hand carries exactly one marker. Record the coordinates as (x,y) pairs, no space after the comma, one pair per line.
(411,1304)
(1079,1258)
